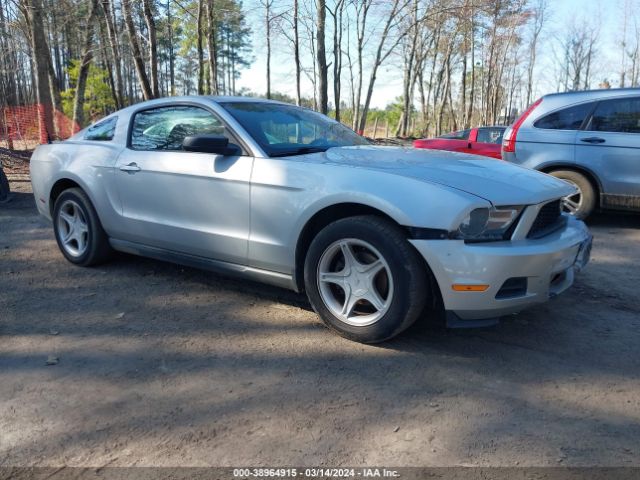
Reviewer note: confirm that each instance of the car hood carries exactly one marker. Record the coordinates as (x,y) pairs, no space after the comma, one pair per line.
(499,182)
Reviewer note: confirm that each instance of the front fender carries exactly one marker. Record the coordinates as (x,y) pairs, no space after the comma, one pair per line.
(287,195)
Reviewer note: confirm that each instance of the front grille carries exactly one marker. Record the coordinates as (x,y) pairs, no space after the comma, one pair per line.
(549,220)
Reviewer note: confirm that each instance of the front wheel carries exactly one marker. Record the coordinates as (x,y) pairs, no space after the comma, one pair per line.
(364,279)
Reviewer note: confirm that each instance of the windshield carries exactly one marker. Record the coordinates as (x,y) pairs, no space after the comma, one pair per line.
(283,130)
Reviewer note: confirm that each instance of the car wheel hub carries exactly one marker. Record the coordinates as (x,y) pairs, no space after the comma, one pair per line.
(572,203)
(355,282)
(73,229)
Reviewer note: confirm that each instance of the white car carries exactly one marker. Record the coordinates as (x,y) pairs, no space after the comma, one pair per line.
(283,195)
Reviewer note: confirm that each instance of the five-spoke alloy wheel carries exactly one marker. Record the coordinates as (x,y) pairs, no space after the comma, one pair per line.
(365,280)
(78,230)
(355,282)
(583,202)
(73,228)
(573,203)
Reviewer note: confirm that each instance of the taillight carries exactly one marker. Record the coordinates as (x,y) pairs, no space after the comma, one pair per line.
(509,141)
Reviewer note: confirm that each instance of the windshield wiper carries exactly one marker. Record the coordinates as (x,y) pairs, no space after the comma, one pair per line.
(300,151)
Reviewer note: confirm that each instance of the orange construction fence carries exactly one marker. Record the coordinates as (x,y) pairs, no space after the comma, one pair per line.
(23,127)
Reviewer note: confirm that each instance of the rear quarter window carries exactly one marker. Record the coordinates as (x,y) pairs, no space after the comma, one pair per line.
(102,131)
(570,118)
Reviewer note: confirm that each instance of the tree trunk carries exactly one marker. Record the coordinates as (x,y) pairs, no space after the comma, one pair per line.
(408,74)
(472,93)
(337,54)
(321,58)
(41,61)
(8,64)
(200,48)
(296,51)
(138,60)
(53,87)
(361,22)
(212,46)
(268,27)
(83,71)
(115,52)
(172,71)
(153,47)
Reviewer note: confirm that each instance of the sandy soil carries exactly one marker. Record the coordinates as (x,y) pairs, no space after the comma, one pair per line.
(156,364)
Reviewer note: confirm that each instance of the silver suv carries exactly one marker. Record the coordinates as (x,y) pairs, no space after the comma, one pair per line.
(590,139)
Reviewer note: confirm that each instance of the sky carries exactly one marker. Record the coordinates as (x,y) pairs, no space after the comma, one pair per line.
(389,82)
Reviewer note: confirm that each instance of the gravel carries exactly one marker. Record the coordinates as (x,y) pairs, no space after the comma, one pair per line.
(139,362)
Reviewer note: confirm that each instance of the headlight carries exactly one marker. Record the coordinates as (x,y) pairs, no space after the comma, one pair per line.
(488,224)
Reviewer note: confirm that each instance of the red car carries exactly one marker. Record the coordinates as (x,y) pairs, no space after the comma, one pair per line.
(485,141)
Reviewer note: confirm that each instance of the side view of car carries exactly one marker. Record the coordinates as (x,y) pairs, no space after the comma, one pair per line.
(267,191)
(591,139)
(486,141)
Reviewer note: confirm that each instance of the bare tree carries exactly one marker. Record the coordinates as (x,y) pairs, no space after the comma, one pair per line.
(115,52)
(85,63)
(579,48)
(268,19)
(153,46)
(199,46)
(8,65)
(394,18)
(336,14)
(411,58)
(213,47)
(321,57)
(539,14)
(362,14)
(33,12)
(296,50)
(138,59)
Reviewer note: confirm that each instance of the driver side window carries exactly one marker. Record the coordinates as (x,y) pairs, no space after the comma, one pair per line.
(164,128)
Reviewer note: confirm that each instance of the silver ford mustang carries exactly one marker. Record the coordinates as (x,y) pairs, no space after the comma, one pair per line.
(375,236)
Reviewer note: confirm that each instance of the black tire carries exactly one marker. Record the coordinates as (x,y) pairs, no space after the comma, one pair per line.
(97,248)
(410,289)
(4,187)
(588,196)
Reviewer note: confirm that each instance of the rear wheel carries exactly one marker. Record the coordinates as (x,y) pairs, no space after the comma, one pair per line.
(582,204)
(364,279)
(78,230)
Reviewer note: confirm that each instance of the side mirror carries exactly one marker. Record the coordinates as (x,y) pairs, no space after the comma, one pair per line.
(210,144)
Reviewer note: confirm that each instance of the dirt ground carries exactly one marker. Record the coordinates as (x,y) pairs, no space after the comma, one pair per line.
(163,365)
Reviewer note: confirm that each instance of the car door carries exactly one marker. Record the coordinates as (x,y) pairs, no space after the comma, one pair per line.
(195,203)
(457,141)
(487,142)
(610,147)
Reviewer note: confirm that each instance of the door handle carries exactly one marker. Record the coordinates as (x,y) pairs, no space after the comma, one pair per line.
(593,140)
(131,167)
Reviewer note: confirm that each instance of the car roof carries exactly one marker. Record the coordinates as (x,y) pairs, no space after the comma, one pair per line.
(229,98)
(599,93)
(196,99)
